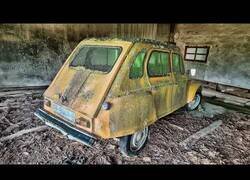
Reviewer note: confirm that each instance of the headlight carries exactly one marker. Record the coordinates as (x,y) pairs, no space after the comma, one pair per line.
(106,106)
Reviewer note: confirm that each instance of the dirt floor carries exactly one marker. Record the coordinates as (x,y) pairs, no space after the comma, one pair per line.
(228,143)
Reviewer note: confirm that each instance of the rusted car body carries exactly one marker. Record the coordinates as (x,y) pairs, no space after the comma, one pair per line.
(107,100)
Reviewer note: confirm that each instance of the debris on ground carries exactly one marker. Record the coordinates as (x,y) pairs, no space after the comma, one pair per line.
(228,143)
(208,110)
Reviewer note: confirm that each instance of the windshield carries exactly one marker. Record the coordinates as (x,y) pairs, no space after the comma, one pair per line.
(100,58)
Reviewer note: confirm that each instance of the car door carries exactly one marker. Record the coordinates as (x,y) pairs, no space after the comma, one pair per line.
(160,79)
(180,81)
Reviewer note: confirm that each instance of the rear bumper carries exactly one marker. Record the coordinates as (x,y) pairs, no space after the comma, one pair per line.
(65,128)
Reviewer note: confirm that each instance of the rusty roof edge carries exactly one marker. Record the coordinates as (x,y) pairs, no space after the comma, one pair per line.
(156,43)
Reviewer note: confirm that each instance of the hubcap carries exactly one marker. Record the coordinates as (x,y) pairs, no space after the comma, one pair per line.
(138,139)
(193,104)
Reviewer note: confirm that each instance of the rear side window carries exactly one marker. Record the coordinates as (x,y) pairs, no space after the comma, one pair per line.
(158,64)
(136,70)
(178,66)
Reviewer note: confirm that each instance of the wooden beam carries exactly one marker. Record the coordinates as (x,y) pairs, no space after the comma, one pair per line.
(176,127)
(200,134)
(227,98)
(22,132)
(172,33)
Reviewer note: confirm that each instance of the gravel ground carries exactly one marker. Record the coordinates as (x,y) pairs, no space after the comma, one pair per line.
(228,144)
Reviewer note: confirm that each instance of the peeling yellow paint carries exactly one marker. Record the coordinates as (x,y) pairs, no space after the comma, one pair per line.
(191,90)
(135,103)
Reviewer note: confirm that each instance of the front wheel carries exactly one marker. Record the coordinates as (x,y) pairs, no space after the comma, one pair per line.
(131,145)
(195,103)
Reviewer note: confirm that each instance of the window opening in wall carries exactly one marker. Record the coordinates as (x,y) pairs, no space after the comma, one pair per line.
(196,53)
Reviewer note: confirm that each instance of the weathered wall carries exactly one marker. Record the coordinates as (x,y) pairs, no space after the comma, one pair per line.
(31,54)
(229,55)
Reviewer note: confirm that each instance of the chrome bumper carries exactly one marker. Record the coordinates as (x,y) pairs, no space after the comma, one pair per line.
(64,128)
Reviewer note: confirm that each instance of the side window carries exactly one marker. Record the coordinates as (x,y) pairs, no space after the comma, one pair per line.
(178,66)
(136,70)
(158,64)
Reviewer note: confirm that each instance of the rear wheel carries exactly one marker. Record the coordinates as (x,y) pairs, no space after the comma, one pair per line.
(195,103)
(131,145)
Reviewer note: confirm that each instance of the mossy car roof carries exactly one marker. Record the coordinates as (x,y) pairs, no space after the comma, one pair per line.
(153,43)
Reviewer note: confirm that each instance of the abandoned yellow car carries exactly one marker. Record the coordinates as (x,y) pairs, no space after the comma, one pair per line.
(113,88)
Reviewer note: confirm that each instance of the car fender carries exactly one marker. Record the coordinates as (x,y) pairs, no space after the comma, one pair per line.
(131,113)
(192,89)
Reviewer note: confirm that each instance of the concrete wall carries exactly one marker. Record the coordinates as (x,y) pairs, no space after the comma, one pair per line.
(229,55)
(31,54)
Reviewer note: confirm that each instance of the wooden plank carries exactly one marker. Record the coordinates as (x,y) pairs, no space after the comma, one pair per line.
(200,134)
(22,132)
(20,93)
(226,97)
(176,127)
(2,89)
(216,101)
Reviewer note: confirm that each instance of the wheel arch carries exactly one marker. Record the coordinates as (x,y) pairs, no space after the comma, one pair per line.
(192,89)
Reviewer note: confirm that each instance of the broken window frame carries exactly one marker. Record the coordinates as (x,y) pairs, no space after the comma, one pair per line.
(195,53)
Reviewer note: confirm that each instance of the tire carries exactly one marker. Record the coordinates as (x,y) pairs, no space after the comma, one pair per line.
(131,146)
(195,103)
